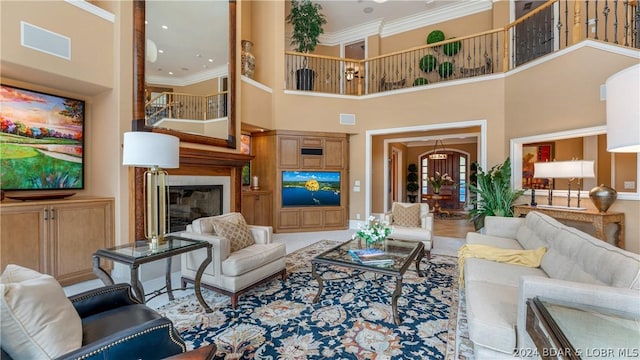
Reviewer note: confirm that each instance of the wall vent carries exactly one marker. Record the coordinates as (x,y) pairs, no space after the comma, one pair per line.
(46,41)
(347,119)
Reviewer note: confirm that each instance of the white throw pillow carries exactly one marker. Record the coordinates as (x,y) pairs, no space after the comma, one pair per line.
(38,320)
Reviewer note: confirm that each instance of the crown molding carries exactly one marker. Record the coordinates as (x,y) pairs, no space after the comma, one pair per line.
(220,71)
(88,7)
(407,23)
(426,18)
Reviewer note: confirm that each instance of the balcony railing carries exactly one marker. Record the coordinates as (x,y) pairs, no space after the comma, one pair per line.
(185,107)
(553,26)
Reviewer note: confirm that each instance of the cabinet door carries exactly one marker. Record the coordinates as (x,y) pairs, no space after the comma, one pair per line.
(79,229)
(334,152)
(23,232)
(289,151)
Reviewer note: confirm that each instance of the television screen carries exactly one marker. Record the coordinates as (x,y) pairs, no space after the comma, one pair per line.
(41,142)
(310,188)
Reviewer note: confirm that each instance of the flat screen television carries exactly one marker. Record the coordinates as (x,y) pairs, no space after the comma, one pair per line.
(310,188)
(41,141)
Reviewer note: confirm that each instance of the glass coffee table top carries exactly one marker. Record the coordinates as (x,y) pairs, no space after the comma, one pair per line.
(142,249)
(399,252)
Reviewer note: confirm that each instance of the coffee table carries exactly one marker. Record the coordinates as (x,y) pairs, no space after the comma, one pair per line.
(402,252)
(140,252)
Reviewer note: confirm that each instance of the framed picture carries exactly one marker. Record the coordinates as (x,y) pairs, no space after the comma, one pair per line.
(41,140)
(245,148)
(532,153)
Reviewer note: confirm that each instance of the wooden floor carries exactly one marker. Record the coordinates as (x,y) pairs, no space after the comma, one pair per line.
(452,228)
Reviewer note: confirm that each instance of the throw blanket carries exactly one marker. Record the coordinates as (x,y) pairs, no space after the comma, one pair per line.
(530,258)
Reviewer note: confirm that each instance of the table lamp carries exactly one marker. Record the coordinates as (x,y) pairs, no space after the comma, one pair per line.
(155,152)
(545,170)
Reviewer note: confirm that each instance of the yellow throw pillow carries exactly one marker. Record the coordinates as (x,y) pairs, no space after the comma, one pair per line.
(235,229)
(38,320)
(406,215)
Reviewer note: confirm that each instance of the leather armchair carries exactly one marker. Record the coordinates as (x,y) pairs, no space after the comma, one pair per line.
(422,233)
(233,273)
(115,325)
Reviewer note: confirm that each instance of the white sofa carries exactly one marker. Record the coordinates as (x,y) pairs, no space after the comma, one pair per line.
(233,273)
(576,267)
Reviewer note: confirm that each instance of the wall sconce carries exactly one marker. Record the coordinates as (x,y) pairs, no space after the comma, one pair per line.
(154,151)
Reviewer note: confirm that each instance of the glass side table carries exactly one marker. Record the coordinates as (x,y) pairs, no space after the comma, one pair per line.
(140,253)
(567,330)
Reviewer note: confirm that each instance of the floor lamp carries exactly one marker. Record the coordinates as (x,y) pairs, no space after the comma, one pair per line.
(155,152)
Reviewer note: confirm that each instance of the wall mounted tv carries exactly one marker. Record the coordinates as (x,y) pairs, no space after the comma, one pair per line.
(310,188)
(41,141)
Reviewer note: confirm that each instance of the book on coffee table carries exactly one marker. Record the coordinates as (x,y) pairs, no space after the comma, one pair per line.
(371,256)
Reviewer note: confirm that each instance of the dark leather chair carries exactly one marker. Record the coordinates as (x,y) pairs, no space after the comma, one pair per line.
(115,325)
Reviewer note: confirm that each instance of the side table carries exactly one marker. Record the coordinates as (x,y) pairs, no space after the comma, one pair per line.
(139,253)
(597,219)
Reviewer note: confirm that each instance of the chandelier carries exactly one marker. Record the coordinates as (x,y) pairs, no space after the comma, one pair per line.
(435,155)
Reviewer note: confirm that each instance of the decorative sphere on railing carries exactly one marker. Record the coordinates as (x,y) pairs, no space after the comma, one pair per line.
(428,63)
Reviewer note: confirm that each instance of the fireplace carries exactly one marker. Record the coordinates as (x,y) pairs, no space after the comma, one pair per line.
(192,197)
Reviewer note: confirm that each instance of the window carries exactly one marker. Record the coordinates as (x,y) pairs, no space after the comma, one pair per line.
(463,179)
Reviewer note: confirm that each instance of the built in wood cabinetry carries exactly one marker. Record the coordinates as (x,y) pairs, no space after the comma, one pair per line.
(280,150)
(56,237)
(257,207)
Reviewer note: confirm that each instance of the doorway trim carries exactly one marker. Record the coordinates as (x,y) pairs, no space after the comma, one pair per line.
(482,151)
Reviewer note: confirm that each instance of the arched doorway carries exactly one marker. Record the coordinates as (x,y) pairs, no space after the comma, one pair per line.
(456,165)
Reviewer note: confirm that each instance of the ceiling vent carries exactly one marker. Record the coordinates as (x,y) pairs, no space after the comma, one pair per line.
(46,41)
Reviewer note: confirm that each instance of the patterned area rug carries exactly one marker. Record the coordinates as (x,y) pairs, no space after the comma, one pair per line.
(353,319)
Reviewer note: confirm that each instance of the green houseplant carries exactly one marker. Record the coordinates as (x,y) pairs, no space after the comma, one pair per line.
(307,21)
(495,196)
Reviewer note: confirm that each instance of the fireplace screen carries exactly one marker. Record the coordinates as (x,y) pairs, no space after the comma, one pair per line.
(187,203)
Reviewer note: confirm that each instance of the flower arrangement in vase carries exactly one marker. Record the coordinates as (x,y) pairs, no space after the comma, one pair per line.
(373,231)
(438,181)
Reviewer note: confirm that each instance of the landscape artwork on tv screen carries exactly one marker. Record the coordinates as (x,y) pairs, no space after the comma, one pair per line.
(310,188)
(41,142)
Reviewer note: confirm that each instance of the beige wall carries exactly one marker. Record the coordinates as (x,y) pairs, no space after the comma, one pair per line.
(560,94)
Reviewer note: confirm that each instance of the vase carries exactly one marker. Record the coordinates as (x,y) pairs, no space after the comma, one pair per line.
(602,197)
(248,61)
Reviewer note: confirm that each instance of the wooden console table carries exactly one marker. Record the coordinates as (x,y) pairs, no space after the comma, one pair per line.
(597,219)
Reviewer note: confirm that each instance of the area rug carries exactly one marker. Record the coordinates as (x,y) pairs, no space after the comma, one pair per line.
(352,320)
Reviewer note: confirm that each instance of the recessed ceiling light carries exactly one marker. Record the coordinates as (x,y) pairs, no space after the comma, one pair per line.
(198,55)
(210,60)
(165,27)
(161,51)
(368,10)
(379,1)
(170,72)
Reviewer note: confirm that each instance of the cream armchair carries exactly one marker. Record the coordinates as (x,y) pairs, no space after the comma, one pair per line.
(233,272)
(412,222)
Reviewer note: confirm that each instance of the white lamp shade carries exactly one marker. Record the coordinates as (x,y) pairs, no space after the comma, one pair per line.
(148,149)
(544,170)
(623,110)
(564,169)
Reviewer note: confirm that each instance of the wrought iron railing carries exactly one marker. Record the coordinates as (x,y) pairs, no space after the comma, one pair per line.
(553,26)
(179,106)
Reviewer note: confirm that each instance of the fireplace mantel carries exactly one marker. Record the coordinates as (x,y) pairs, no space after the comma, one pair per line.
(196,162)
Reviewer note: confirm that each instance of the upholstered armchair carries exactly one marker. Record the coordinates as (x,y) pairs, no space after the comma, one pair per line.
(243,255)
(40,322)
(411,222)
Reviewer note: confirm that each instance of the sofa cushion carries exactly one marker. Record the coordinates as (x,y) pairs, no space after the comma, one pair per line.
(496,272)
(252,257)
(38,320)
(491,315)
(406,214)
(576,256)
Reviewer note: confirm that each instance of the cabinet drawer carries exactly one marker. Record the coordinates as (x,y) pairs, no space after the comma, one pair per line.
(311,142)
(312,162)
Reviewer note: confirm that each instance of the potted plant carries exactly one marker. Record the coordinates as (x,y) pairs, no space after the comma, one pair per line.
(307,21)
(412,182)
(494,195)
